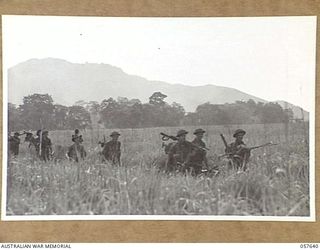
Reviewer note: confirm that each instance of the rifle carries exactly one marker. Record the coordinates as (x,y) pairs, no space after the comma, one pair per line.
(229,153)
(166,137)
(40,144)
(227,148)
(23,133)
(104,141)
(263,145)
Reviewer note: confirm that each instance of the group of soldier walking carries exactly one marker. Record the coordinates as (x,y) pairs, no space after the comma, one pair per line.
(191,156)
(182,155)
(42,146)
(41,143)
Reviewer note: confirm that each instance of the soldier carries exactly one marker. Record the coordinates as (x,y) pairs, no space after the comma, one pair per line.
(112,149)
(238,150)
(46,146)
(76,150)
(198,159)
(37,140)
(14,142)
(33,146)
(179,154)
(76,136)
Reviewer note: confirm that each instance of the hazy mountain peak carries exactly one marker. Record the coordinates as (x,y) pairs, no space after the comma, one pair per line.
(69,82)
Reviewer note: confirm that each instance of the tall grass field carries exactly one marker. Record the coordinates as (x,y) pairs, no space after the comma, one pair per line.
(276,182)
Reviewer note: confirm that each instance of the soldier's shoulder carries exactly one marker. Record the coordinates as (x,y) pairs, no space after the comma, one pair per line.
(173,146)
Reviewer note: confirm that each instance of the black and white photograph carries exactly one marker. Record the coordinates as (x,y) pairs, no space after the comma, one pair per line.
(111,118)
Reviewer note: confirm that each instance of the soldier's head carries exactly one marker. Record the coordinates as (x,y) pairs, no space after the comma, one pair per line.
(238,134)
(38,132)
(16,134)
(28,136)
(76,131)
(181,135)
(199,133)
(45,133)
(114,135)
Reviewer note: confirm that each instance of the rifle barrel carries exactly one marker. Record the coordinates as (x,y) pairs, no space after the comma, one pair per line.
(264,145)
(166,137)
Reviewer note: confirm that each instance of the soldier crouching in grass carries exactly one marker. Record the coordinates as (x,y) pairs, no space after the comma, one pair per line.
(198,159)
(112,149)
(76,150)
(46,146)
(238,151)
(179,154)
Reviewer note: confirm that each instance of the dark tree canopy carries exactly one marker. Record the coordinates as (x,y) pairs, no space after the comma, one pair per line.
(36,111)
(39,111)
(157,98)
(78,117)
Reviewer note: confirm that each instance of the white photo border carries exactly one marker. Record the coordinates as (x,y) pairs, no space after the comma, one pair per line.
(4,217)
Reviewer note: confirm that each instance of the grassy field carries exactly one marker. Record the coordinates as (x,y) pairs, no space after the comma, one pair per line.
(275,184)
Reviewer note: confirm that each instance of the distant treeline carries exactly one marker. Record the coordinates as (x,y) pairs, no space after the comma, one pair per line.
(39,111)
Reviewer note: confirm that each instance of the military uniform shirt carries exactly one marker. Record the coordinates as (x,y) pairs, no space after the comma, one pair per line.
(236,147)
(182,149)
(45,148)
(14,145)
(112,152)
(199,155)
(76,151)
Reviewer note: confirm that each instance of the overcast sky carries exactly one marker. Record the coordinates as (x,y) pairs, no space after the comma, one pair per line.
(270,57)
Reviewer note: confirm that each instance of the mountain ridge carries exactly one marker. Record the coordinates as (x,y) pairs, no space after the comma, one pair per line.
(97,81)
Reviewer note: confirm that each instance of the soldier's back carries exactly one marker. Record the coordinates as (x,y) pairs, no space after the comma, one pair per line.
(112,145)
(182,150)
(14,145)
(112,150)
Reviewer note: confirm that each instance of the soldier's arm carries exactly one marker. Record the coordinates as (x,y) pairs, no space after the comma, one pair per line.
(105,149)
(119,152)
(50,146)
(205,159)
(171,154)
